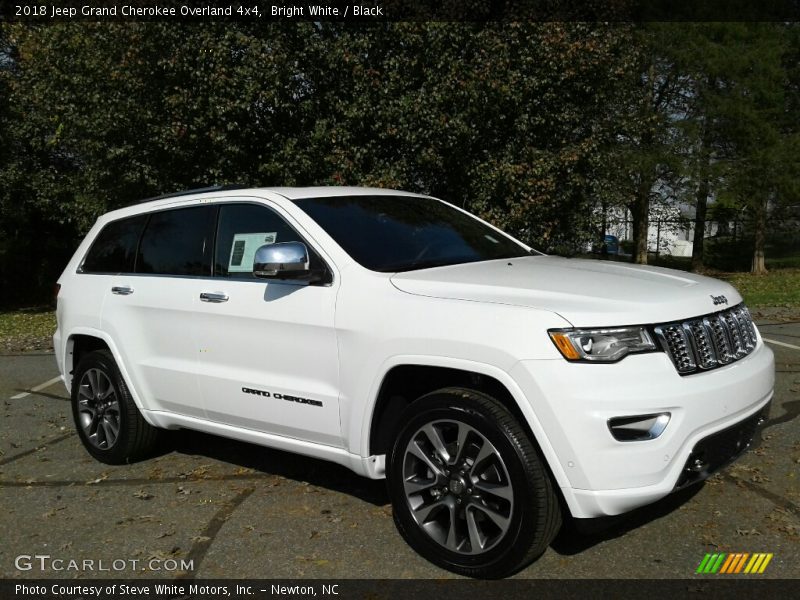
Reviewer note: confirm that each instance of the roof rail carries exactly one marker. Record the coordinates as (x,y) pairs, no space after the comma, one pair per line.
(212,188)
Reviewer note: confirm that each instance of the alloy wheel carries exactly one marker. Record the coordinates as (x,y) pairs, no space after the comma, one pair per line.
(457,487)
(98,409)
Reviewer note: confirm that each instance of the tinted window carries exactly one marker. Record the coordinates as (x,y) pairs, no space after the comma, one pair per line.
(114,249)
(178,242)
(402,233)
(242,229)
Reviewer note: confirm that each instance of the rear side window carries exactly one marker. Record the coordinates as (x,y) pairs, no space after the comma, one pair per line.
(178,242)
(114,249)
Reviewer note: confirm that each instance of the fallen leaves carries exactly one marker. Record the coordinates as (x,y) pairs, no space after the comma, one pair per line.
(25,330)
(163,534)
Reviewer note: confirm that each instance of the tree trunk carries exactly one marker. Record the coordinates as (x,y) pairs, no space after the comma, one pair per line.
(701,196)
(759,267)
(701,199)
(641,201)
(641,222)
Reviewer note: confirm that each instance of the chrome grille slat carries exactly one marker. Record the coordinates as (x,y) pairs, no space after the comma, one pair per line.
(701,341)
(679,348)
(747,320)
(722,343)
(709,342)
(737,343)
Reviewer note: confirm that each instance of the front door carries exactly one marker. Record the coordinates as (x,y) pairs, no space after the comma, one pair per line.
(267,349)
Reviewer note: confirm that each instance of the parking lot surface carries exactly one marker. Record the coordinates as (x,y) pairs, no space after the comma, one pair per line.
(212,508)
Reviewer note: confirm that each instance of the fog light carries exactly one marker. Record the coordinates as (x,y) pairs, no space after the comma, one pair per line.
(638,428)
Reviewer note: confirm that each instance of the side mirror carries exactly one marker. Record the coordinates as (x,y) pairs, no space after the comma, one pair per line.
(286,260)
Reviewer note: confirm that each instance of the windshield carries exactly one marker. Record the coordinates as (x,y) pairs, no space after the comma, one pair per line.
(403,233)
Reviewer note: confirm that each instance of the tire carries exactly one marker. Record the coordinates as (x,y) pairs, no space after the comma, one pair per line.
(479,501)
(108,422)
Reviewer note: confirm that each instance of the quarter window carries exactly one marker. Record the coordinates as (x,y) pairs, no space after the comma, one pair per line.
(178,242)
(114,249)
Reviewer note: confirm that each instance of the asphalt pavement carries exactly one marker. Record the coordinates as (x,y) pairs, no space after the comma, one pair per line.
(212,508)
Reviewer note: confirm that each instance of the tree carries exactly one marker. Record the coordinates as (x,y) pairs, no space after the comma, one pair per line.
(758,119)
(509,120)
(734,72)
(648,142)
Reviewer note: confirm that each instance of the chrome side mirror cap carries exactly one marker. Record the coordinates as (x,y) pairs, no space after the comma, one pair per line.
(286,260)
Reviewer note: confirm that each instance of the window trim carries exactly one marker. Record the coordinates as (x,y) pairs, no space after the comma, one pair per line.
(303,238)
(218,203)
(147,224)
(80,270)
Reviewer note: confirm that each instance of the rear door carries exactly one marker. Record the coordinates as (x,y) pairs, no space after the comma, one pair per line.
(112,252)
(151,312)
(267,349)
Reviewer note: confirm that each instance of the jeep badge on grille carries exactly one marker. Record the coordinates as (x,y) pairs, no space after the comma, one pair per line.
(719,300)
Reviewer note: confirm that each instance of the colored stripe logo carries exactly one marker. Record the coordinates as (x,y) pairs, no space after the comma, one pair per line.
(736,562)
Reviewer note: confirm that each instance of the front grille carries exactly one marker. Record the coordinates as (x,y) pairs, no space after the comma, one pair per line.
(710,341)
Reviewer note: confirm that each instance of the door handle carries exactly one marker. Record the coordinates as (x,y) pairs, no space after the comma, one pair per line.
(122,290)
(214,297)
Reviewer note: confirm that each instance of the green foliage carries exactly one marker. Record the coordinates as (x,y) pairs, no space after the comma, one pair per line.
(531,125)
(509,120)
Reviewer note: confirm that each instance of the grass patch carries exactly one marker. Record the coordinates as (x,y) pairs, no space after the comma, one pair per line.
(776,288)
(26,330)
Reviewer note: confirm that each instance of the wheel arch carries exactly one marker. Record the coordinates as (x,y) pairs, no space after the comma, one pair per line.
(405,379)
(79,342)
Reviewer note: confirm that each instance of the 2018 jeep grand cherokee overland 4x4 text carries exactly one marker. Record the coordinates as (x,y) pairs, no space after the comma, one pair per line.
(402,337)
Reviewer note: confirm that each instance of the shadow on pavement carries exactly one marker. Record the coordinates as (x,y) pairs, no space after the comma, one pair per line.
(578,535)
(276,462)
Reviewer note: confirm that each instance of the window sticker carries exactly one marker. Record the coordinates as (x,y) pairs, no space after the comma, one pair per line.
(243,250)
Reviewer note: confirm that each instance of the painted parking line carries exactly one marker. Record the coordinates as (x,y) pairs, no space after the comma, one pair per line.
(777,343)
(38,388)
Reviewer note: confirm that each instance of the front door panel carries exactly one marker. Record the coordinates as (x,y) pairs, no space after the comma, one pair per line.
(267,349)
(268,359)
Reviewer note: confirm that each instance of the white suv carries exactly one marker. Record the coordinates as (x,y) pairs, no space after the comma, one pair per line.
(398,335)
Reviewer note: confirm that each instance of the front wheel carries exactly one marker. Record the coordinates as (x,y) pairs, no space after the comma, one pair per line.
(469,490)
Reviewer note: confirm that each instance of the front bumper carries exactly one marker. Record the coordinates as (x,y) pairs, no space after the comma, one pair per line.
(573,403)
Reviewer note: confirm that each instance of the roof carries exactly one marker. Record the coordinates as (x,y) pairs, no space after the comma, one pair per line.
(298,193)
(290,193)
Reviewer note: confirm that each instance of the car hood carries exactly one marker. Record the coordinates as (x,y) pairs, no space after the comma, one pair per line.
(585,292)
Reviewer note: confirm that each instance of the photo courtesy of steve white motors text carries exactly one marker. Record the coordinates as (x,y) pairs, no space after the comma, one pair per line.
(171,590)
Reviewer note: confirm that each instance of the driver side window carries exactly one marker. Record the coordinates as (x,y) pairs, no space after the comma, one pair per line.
(242,229)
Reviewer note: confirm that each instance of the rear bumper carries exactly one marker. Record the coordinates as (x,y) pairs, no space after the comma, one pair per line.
(605,477)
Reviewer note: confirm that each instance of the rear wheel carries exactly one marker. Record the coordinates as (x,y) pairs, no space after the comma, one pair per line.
(108,422)
(469,490)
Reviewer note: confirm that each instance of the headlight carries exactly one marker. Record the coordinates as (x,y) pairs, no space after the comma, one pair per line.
(601,345)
